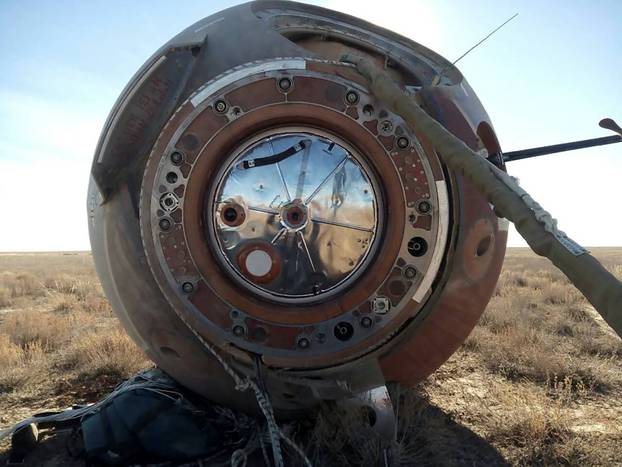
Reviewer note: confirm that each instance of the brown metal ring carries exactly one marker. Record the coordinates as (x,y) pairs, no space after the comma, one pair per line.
(272,116)
(238,217)
(275,268)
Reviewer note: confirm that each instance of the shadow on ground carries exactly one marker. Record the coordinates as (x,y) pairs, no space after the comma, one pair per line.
(428,437)
(449,443)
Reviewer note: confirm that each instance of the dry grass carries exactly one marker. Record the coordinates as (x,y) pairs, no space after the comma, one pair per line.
(57,331)
(539,381)
(342,436)
(539,327)
(15,286)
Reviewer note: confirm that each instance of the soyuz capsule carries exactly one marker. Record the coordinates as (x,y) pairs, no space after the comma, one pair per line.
(251,199)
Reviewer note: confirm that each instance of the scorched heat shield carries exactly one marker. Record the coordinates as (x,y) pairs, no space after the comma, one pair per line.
(250,197)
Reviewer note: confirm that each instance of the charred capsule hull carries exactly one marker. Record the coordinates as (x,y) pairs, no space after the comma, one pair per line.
(250,195)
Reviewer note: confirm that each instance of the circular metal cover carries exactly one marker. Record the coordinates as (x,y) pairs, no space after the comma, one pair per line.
(311,210)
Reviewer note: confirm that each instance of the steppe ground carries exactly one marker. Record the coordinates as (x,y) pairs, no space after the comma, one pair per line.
(539,381)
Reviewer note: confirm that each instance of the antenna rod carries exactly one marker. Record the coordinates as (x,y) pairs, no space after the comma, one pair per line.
(437,79)
(490,34)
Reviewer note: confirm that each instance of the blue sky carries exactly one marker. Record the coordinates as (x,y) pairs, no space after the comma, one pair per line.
(549,76)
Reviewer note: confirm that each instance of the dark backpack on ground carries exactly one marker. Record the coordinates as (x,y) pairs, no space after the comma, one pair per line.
(148,419)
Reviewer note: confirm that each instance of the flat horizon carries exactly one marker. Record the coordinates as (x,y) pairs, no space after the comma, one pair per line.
(89,251)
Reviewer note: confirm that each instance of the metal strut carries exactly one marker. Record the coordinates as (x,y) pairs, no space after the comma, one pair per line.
(606,123)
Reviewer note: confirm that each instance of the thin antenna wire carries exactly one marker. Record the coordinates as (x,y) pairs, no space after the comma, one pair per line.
(440,75)
(464,54)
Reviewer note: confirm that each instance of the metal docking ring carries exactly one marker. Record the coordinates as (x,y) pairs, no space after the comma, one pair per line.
(294,226)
